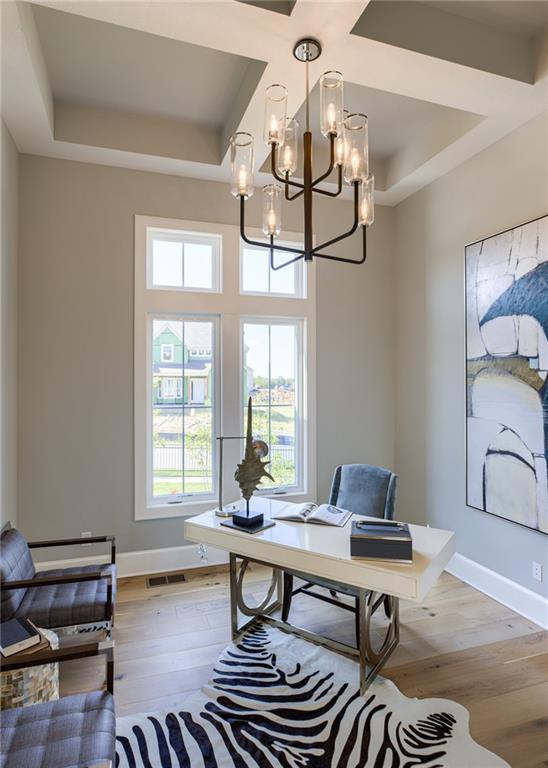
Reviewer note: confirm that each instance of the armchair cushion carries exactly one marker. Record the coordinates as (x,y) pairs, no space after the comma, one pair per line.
(364,490)
(64,605)
(71,732)
(15,564)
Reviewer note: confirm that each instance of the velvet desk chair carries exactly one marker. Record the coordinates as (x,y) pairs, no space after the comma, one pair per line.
(364,490)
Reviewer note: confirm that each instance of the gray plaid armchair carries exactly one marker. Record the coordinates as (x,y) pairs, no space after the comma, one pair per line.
(65,597)
(73,732)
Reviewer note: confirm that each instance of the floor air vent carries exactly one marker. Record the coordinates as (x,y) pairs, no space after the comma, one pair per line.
(161,581)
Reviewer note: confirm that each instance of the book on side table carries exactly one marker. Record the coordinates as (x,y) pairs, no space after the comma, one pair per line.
(21,636)
(324,514)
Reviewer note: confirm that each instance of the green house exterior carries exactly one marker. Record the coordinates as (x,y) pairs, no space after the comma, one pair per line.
(181,376)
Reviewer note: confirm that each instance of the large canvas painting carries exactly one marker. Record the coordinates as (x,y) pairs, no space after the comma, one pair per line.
(506,373)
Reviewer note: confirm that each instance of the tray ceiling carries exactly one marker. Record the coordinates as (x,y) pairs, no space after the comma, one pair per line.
(161,86)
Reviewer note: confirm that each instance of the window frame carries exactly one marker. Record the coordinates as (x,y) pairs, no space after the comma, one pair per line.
(299,267)
(166,346)
(182,498)
(299,324)
(185,237)
(230,306)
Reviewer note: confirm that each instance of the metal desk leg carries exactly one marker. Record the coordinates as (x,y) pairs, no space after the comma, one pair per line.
(233,598)
(372,661)
(237,602)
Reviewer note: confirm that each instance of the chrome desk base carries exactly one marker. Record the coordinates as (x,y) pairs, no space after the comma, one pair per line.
(371,660)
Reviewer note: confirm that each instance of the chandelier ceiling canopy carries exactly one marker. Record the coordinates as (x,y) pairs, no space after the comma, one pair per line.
(347,134)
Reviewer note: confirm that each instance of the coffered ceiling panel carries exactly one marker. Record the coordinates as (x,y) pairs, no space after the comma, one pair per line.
(455,32)
(105,65)
(526,18)
(160,86)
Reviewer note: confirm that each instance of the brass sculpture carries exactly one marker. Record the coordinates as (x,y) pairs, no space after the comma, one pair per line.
(251,470)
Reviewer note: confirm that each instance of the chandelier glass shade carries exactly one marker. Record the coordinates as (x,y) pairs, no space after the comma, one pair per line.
(347,134)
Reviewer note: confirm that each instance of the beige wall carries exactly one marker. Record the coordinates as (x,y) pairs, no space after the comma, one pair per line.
(76,351)
(8,323)
(390,375)
(503,186)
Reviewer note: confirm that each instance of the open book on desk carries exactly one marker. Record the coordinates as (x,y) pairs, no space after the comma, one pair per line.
(324,514)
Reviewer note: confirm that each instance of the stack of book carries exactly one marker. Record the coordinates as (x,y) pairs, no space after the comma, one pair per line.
(381,540)
(22,637)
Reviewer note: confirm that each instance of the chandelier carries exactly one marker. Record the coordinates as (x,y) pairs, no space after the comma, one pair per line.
(347,134)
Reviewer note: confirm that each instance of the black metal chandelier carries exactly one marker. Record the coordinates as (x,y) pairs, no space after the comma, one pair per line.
(348,152)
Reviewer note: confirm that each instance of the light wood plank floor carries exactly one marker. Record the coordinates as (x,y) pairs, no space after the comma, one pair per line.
(460,645)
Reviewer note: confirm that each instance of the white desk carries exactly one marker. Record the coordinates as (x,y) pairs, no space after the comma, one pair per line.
(304,549)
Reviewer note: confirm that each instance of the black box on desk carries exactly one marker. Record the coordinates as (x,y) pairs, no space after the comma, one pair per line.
(381,540)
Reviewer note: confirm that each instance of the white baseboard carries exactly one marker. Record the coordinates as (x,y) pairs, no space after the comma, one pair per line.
(520,599)
(147,560)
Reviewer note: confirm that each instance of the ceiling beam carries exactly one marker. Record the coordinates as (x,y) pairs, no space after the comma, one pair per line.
(27,101)
(492,105)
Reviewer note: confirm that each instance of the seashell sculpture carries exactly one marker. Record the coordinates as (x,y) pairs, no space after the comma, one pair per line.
(251,469)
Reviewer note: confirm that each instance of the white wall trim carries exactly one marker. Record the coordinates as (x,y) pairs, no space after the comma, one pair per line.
(511,594)
(147,560)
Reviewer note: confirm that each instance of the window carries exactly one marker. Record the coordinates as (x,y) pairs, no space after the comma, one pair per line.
(199,354)
(182,424)
(167,353)
(256,276)
(183,260)
(272,376)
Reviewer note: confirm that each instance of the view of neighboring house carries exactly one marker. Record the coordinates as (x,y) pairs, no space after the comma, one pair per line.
(181,369)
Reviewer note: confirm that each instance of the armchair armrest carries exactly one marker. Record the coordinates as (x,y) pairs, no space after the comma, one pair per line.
(53,580)
(65,653)
(71,542)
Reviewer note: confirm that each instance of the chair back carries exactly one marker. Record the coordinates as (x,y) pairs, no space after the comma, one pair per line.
(15,563)
(364,490)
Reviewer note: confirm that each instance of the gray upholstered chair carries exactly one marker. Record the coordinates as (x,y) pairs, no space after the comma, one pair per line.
(64,597)
(73,732)
(364,490)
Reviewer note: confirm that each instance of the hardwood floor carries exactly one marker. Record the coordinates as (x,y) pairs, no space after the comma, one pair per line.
(460,645)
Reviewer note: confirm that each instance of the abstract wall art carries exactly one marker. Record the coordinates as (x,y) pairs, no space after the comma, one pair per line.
(506,374)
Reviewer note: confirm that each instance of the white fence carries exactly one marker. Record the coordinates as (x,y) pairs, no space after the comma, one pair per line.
(169,458)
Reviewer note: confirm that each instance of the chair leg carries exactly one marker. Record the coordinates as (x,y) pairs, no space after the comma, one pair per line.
(333,593)
(386,603)
(288,594)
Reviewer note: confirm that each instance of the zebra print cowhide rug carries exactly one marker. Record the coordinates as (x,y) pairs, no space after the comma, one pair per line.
(276,701)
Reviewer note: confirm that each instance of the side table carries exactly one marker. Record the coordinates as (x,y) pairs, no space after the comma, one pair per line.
(30,685)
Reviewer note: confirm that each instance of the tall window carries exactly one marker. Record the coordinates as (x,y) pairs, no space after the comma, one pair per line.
(271,354)
(182,421)
(213,326)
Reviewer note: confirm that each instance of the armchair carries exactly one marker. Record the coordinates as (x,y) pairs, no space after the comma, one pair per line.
(364,490)
(75,730)
(81,597)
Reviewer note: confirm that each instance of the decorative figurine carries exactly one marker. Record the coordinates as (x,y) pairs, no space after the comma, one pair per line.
(249,474)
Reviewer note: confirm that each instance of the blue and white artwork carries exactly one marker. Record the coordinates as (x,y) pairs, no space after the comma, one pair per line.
(506,372)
